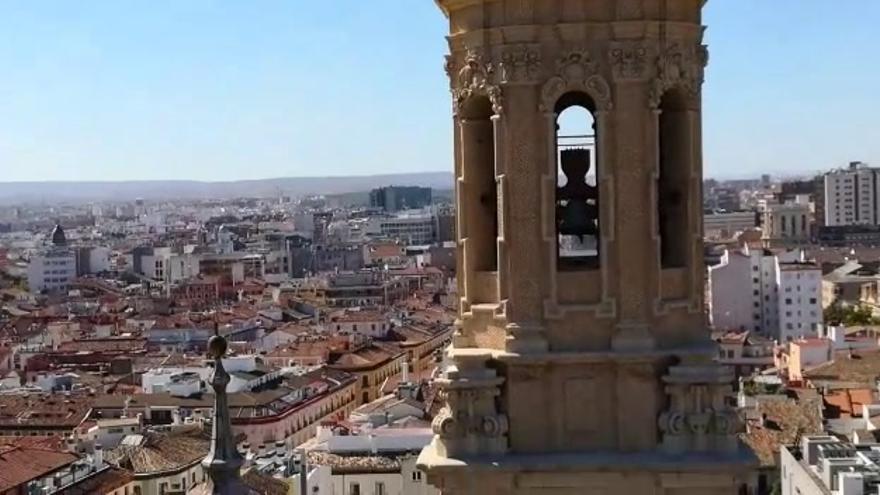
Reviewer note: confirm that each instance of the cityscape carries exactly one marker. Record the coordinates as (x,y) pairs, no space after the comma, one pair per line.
(575,306)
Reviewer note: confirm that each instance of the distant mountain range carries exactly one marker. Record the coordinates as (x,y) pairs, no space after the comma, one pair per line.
(54,192)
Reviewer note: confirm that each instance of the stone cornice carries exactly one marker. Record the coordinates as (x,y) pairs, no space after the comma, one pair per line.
(448,6)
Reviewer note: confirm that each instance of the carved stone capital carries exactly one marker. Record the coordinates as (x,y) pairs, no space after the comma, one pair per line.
(680,66)
(475,76)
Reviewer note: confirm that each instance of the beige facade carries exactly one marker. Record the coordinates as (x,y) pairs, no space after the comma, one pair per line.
(581,362)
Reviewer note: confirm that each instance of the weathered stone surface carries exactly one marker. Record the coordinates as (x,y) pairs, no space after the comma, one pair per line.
(590,378)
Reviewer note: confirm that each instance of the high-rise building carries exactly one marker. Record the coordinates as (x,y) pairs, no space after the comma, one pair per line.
(581,361)
(852,196)
(396,198)
(53,268)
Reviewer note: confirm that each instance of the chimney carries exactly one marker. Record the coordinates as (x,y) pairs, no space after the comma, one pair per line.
(70,443)
(279,453)
(98,457)
(405,373)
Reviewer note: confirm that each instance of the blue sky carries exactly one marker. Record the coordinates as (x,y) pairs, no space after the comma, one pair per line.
(228,89)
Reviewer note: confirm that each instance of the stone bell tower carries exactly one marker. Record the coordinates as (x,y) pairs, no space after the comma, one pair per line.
(581,361)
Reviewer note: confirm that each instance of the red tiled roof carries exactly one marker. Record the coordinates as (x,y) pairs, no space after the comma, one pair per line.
(18,465)
(104,481)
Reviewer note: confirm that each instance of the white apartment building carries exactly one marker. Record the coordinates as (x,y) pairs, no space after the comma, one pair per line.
(162,264)
(852,196)
(776,295)
(800,300)
(51,270)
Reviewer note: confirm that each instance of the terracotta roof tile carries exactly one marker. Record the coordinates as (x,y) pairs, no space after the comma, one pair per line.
(18,465)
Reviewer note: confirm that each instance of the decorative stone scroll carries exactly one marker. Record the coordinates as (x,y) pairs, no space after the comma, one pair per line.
(698,419)
(520,64)
(470,423)
(681,66)
(474,77)
(629,60)
(576,70)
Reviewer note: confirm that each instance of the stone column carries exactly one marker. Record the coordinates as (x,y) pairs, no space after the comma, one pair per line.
(521,172)
(634,182)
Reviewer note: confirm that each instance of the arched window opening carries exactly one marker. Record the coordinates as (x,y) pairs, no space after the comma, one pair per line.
(674,177)
(478,143)
(577,192)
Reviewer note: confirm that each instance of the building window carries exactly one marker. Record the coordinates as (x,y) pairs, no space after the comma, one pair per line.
(787,300)
(577,191)
(379,488)
(354,489)
(812,300)
(417,476)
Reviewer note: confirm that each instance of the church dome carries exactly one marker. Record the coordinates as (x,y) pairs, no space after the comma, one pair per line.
(58,237)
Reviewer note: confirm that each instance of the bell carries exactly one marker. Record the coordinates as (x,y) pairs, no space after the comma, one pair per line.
(577,218)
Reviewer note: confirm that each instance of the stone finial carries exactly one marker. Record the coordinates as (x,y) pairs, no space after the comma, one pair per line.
(223,461)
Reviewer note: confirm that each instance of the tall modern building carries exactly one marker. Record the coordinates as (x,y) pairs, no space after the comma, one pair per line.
(396,198)
(581,361)
(53,268)
(852,196)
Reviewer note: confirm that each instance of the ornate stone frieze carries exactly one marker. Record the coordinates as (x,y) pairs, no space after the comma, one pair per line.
(475,76)
(680,66)
(576,70)
(470,423)
(698,418)
(629,60)
(520,64)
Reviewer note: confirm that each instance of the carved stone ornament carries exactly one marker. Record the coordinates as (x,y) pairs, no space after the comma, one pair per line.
(698,418)
(576,70)
(629,60)
(470,423)
(520,64)
(680,66)
(475,77)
